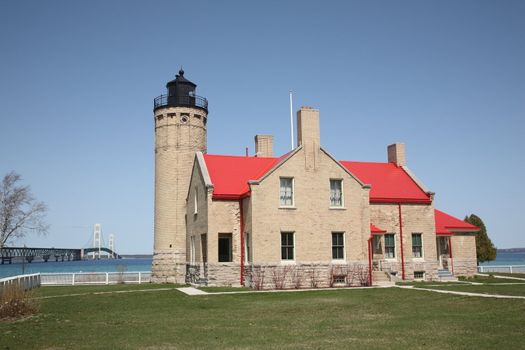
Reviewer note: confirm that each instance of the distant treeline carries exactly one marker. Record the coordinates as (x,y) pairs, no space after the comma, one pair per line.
(136,256)
(512,250)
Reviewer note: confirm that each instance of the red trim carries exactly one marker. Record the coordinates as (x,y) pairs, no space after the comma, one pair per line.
(401,239)
(450,253)
(241,214)
(231,197)
(370,260)
(400,200)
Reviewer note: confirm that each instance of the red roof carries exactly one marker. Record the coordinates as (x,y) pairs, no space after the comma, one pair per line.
(375,229)
(390,183)
(447,224)
(230,174)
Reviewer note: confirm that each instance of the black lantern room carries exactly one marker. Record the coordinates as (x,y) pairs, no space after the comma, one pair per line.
(181,93)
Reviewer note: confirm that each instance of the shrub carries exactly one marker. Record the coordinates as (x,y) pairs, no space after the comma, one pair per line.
(15,302)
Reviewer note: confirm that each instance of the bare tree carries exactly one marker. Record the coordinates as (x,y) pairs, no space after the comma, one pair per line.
(20,212)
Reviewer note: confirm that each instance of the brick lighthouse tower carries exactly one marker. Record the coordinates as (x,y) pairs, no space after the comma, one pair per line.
(180,131)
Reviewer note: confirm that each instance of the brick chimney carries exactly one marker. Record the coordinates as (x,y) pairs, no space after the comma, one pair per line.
(308,135)
(396,154)
(263,145)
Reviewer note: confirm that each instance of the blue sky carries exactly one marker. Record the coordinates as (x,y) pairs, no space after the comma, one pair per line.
(78,78)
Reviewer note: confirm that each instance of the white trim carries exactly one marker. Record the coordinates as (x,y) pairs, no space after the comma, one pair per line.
(395,247)
(287,261)
(293,193)
(416,180)
(204,169)
(422,257)
(338,261)
(342,206)
(345,169)
(195,200)
(276,166)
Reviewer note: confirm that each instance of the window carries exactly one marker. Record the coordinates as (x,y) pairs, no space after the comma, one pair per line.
(338,245)
(336,193)
(287,245)
(225,247)
(204,248)
(419,275)
(192,249)
(247,248)
(286,192)
(390,246)
(417,245)
(195,202)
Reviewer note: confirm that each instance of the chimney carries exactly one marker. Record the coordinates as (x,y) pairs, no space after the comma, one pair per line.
(263,145)
(308,136)
(396,154)
(308,126)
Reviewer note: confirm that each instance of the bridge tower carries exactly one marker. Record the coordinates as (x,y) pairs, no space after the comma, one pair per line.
(180,131)
(111,245)
(97,240)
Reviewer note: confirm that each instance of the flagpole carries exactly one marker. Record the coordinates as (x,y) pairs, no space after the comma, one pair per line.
(291,120)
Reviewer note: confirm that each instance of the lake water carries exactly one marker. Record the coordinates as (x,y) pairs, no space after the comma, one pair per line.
(112,265)
(505,258)
(105,265)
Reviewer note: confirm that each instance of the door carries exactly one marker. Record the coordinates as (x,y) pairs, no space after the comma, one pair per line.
(443,252)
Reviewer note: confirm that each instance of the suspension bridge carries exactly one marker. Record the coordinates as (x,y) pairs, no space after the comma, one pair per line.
(94,249)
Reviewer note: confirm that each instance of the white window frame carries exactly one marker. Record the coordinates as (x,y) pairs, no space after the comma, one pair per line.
(287,261)
(342,194)
(343,259)
(281,205)
(422,278)
(195,202)
(395,247)
(422,257)
(247,248)
(192,249)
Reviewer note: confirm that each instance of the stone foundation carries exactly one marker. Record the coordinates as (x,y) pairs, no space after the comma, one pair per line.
(279,276)
(465,267)
(165,268)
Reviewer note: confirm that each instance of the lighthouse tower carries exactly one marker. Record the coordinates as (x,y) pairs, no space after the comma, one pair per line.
(180,131)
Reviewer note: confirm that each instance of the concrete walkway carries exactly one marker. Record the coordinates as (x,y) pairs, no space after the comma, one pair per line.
(192,291)
(504,277)
(468,294)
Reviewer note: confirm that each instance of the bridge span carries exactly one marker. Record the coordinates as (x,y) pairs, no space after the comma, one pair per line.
(8,254)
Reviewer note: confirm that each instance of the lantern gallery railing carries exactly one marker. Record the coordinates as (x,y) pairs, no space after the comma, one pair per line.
(180,100)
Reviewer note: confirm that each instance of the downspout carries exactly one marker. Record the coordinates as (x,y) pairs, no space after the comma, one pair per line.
(450,253)
(370,260)
(242,240)
(401,240)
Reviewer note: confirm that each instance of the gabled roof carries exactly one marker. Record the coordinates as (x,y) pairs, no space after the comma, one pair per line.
(447,224)
(230,174)
(390,183)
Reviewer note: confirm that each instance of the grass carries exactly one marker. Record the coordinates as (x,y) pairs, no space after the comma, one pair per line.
(391,318)
(223,289)
(518,275)
(489,279)
(512,289)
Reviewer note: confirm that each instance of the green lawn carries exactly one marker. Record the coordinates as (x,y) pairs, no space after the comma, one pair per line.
(518,275)
(513,289)
(224,289)
(490,279)
(390,318)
